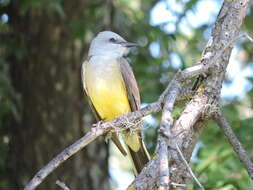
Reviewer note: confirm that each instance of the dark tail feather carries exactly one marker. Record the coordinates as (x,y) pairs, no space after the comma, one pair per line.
(118,144)
(139,158)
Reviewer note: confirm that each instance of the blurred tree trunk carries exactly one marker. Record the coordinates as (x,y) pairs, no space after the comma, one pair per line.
(45,62)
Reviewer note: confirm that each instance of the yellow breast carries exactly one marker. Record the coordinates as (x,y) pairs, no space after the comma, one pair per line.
(106,90)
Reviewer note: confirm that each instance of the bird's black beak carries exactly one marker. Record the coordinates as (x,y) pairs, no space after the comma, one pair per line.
(128,44)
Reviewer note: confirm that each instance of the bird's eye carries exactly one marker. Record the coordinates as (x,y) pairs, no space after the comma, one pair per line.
(112,40)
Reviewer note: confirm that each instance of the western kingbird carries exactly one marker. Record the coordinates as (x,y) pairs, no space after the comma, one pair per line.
(111,89)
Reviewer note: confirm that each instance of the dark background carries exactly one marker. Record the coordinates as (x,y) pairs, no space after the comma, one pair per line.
(43,109)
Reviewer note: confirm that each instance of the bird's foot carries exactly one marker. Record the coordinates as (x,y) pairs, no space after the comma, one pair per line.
(108,136)
(98,124)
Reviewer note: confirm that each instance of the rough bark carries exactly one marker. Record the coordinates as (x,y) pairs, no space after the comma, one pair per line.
(120,123)
(199,110)
(187,128)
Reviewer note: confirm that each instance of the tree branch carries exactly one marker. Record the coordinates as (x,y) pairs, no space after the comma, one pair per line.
(182,131)
(235,143)
(62,185)
(214,59)
(187,128)
(165,130)
(102,128)
(188,167)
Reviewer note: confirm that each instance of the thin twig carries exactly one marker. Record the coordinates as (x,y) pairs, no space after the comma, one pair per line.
(152,108)
(106,127)
(200,68)
(214,60)
(247,36)
(180,77)
(64,155)
(230,44)
(62,185)
(238,148)
(177,184)
(148,178)
(188,167)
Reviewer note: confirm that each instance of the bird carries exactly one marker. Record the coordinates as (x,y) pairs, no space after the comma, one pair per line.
(111,89)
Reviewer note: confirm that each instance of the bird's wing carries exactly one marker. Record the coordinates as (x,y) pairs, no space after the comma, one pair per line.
(95,113)
(133,140)
(130,84)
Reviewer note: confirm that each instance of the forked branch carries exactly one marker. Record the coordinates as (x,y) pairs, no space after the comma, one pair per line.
(102,128)
(213,62)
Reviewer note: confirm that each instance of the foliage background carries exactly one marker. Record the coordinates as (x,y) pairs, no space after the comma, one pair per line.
(42,45)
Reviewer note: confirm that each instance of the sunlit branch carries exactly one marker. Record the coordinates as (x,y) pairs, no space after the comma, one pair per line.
(147,179)
(103,128)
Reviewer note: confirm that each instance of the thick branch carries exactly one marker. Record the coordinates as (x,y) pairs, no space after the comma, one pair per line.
(62,185)
(215,58)
(64,155)
(190,122)
(106,127)
(235,143)
(184,132)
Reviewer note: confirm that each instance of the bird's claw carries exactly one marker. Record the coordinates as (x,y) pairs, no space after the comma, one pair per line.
(108,136)
(98,124)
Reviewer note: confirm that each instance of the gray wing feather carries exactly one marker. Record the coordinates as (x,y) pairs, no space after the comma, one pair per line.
(130,84)
(141,157)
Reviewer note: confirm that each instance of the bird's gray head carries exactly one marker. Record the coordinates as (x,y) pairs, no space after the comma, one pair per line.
(109,44)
